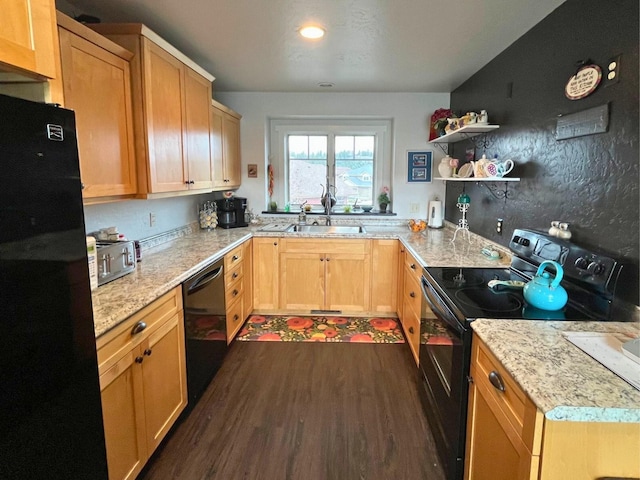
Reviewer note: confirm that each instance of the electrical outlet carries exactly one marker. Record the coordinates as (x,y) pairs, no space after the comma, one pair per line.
(612,74)
(499,226)
(414,208)
(152,219)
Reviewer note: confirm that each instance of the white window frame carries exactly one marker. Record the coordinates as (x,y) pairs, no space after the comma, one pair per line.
(281,128)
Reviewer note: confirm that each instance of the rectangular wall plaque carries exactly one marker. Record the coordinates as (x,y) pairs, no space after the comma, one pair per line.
(586,122)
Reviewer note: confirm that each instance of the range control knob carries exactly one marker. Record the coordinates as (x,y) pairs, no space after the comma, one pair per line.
(595,268)
(582,263)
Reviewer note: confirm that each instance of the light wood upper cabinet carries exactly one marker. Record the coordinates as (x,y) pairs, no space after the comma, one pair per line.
(171,98)
(225,147)
(28,38)
(97,86)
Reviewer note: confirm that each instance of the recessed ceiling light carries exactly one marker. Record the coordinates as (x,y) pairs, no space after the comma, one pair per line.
(312,31)
(326,84)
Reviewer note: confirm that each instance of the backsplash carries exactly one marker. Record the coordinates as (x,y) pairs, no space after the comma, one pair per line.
(590,182)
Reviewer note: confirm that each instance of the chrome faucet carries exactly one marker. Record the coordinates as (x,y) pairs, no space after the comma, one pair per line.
(328,200)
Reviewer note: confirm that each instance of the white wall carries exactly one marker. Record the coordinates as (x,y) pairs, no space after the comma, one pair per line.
(410,113)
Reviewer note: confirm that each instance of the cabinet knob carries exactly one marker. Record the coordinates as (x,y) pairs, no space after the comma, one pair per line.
(147,352)
(412,294)
(328,259)
(234,293)
(235,318)
(234,258)
(411,330)
(235,275)
(138,327)
(322,259)
(275,243)
(496,380)
(139,359)
(413,266)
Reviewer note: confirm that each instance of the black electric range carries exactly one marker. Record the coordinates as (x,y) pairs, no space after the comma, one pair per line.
(454,297)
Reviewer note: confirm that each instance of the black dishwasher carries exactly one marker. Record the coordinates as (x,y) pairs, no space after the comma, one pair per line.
(205,329)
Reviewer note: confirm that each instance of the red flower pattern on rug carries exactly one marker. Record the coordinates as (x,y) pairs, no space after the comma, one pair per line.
(321,329)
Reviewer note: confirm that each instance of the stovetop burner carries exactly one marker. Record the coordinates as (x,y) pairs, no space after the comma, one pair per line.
(496,302)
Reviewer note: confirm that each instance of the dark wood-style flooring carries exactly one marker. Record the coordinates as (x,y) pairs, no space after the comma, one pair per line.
(304,411)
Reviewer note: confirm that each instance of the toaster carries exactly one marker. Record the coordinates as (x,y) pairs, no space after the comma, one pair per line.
(115,259)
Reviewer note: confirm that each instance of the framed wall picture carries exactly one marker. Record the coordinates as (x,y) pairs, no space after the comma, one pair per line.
(419,165)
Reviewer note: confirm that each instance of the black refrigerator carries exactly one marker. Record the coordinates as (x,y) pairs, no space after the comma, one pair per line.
(50,411)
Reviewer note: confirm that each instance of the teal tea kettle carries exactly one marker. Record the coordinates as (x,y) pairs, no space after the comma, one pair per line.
(545,292)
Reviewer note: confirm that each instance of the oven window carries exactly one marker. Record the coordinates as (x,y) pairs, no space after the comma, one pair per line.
(442,345)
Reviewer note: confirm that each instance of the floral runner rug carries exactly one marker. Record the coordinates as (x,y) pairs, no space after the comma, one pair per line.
(285,328)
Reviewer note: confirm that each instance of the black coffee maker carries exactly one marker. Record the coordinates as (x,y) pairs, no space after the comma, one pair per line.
(231,212)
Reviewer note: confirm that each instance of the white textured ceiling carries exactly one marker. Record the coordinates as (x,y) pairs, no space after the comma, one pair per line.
(370,45)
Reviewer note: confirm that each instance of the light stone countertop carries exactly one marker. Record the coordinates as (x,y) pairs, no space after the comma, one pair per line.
(169,264)
(565,383)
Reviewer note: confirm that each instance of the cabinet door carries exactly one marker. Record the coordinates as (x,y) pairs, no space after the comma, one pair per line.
(266,276)
(163,102)
(302,281)
(197,138)
(400,276)
(215,137)
(494,449)
(164,379)
(97,86)
(231,150)
(348,280)
(247,255)
(123,418)
(28,34)
(384,276)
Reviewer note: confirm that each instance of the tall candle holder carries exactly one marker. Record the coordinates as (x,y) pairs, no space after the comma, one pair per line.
(463,205)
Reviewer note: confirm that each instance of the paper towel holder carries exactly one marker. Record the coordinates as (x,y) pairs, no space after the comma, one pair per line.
(434,213)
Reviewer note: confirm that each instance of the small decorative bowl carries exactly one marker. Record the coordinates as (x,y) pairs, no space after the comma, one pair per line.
(367,208)
(417,225)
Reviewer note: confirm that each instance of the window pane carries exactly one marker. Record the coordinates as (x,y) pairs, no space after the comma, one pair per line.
(344,146)
(298,146)
(307,168)
(364,147)
(354,182)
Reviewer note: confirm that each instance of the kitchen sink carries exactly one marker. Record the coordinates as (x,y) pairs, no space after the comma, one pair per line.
(327,229)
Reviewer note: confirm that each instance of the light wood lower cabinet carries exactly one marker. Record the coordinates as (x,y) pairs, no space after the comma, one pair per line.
(266,273)
(97,85)
(238,278)
(325,275)
(384,275)
(508,438)
(411,300)
(142,371)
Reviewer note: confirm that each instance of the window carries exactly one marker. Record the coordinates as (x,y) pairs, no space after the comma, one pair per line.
(354,156)
(352,159)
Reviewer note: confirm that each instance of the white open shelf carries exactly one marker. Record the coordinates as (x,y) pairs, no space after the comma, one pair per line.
(474,179)
(464,133)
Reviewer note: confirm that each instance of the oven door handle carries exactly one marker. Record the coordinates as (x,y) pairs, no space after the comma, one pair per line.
(439,308)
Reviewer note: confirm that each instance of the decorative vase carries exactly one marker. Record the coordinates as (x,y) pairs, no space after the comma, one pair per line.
(444,168)
(383,208)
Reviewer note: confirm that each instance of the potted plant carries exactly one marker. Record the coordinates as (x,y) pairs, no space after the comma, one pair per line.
(383,199)
(273,206)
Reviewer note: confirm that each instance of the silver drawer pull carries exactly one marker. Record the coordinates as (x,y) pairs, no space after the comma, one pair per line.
(138,327)
(496,380)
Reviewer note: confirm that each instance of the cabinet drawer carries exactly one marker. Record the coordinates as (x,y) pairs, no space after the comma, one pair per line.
(233,258)
(412,293)
(234,292)
(234,319)
(112,344)
(233,275)
(517,407)
(413,266)
(411,327)
(314,245)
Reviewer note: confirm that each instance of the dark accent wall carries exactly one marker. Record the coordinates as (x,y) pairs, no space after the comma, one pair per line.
(590,182)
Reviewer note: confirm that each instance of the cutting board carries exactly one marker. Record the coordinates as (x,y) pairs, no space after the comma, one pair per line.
(606,348)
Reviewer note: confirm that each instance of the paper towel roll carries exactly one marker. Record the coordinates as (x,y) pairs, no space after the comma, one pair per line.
(435,214)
